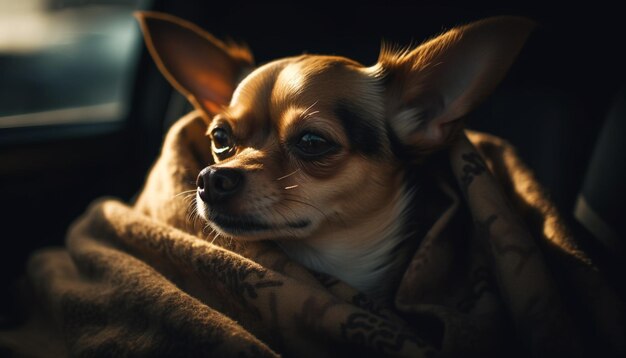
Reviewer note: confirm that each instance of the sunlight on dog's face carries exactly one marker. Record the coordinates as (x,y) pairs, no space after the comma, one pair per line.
(302,147)
(317,148)
(310,145)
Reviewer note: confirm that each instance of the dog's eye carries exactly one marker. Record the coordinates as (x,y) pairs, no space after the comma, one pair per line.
(222,141)
(313,145)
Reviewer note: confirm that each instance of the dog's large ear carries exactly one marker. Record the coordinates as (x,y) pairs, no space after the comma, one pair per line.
(197,64)
(430,88)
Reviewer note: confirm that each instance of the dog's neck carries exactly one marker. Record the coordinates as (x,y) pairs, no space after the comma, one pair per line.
(369,255)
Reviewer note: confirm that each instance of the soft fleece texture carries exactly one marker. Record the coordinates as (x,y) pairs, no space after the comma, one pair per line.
(140,280)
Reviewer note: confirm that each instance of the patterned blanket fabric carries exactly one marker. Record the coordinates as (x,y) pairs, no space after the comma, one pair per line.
(495,273)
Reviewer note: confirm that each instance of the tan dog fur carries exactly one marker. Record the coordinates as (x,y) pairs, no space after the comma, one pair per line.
(352,203)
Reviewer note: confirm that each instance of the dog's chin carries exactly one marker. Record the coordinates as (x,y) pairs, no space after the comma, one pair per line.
(254,227)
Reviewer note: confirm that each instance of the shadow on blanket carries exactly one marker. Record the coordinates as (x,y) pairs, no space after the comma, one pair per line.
(138,280)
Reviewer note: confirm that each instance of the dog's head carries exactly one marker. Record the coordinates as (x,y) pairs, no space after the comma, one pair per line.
(306,143)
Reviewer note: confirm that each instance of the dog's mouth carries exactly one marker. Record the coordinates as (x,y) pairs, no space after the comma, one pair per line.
(248,225)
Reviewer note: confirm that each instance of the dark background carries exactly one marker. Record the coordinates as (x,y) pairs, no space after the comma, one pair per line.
(550,106)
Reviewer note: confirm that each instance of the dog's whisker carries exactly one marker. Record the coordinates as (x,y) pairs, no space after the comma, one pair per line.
(288,175)
(184,192)
(192,211)
(215,235)
(291,187)
(305,113)
(189,198)
(205,228)
(193,216)
(311,114)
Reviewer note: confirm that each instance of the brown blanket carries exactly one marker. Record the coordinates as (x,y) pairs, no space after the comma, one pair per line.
(144,280)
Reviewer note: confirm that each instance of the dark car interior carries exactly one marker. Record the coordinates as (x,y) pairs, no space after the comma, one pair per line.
(97,131)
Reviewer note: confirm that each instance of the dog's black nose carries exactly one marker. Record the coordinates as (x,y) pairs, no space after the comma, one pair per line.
(215,185)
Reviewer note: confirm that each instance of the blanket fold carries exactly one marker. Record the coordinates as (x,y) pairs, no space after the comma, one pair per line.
(496,273)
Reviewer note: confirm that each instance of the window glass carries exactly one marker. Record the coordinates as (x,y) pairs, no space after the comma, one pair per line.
(65,62)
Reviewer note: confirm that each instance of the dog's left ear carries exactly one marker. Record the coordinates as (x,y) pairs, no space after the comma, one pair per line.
(201,67)
(431,87)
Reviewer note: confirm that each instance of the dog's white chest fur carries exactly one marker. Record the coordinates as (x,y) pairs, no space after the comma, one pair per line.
(366,255)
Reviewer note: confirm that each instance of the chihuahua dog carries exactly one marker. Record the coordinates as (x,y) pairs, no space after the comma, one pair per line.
(313,151)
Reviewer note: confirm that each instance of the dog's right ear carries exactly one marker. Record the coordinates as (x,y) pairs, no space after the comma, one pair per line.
(197,64)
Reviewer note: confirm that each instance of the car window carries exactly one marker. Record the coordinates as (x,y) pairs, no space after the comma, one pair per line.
(66,62)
